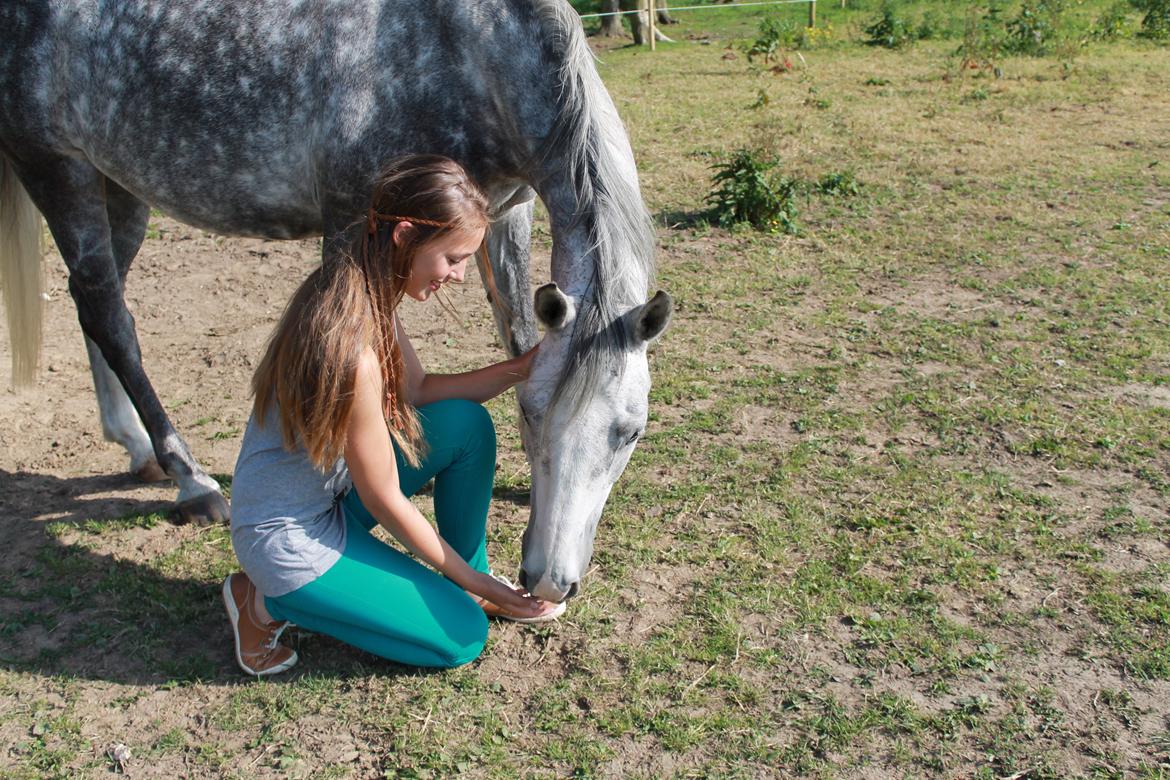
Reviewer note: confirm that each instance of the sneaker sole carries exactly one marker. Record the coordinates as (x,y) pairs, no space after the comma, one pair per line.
(229,603)
(547,617)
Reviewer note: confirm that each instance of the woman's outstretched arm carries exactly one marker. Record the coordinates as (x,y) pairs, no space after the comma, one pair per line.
(370,457)
(478,385)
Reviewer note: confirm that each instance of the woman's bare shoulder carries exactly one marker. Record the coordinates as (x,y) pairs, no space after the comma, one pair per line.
(369,371)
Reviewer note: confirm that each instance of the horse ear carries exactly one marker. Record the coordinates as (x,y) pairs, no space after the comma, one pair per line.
(652,318)
(554,309)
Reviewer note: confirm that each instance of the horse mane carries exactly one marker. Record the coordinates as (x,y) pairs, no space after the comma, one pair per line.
(590,140)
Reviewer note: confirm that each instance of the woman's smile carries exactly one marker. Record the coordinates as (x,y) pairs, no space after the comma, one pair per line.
(447,256)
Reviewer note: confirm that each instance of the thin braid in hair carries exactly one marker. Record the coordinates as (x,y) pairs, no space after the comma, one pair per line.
(374,218)
(389,353)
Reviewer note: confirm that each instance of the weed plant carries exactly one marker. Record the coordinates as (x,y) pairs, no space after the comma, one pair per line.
(983,36)
(747,191)
(1113,23)
(1037,28)
(838,184)
(776,34)
(889,29)
(893,27)
(1156,22)
(932,25)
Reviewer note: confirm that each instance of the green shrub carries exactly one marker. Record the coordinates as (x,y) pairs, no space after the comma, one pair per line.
(932,25)
(983,35)
(746,191)
(1036,28)
(775,34)
(1113,22)
(888,28)
(838,184)
(1156,21)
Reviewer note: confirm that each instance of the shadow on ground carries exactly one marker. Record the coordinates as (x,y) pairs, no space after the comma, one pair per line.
(71,607)
(676,219)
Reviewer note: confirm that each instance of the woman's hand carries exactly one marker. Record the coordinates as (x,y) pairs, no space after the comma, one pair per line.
(521,365)
(516,603)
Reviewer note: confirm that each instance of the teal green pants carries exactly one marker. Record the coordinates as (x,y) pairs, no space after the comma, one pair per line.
(386,602)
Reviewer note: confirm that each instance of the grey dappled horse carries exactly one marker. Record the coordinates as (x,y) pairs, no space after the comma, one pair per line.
(270,118)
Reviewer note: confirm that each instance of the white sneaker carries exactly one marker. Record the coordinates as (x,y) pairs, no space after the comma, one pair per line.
(494,610)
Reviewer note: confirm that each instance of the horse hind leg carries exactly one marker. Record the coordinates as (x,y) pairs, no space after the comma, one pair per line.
(74,198)
(128,217)
(20,255)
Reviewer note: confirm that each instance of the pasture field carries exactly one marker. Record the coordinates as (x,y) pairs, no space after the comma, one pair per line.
(901,509)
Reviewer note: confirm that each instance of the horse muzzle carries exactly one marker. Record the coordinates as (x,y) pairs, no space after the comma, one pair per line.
(550,588)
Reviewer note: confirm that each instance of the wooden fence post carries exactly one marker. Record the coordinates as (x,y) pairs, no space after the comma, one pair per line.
(812,13)
(651,22)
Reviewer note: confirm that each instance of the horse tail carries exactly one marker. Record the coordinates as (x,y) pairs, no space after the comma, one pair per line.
(21,273)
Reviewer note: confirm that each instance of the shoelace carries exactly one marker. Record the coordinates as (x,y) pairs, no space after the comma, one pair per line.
(271,643)
(500,578)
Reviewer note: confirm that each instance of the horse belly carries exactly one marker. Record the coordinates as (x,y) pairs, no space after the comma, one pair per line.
(268,195)
(199,112)
(217,195)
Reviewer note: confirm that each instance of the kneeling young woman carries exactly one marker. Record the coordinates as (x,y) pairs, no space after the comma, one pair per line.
(346,426)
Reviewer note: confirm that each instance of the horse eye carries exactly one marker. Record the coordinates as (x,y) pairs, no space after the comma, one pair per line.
(633,437)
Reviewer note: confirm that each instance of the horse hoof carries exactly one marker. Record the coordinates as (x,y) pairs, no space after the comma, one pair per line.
(150,472)
(206,509)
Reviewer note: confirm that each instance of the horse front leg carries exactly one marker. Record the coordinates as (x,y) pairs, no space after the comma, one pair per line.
(72,196)
(508,245)
(128,217)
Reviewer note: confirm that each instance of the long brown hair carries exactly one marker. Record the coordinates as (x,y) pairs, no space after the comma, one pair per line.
(310,366)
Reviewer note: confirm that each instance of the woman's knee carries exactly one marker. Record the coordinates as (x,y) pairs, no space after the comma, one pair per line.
(481,430)
(461,656)
(465,421)
(464,644)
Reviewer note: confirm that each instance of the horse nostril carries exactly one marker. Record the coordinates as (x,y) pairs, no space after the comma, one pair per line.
(522,578)
(576,586)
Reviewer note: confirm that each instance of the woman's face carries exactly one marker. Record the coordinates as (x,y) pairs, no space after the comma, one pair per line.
(439,261)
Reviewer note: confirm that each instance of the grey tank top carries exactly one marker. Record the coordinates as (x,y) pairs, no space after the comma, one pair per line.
(287,522)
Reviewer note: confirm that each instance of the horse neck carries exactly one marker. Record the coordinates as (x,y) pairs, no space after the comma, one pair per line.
(574,260)
(602,246)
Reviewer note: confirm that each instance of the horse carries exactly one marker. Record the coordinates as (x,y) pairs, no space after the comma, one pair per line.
(270,118)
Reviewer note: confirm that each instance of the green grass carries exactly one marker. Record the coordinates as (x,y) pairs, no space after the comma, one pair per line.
(900,509)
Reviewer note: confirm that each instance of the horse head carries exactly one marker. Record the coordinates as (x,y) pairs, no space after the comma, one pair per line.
(579,437)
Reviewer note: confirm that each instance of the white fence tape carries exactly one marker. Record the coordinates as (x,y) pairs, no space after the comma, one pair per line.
(718,7)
